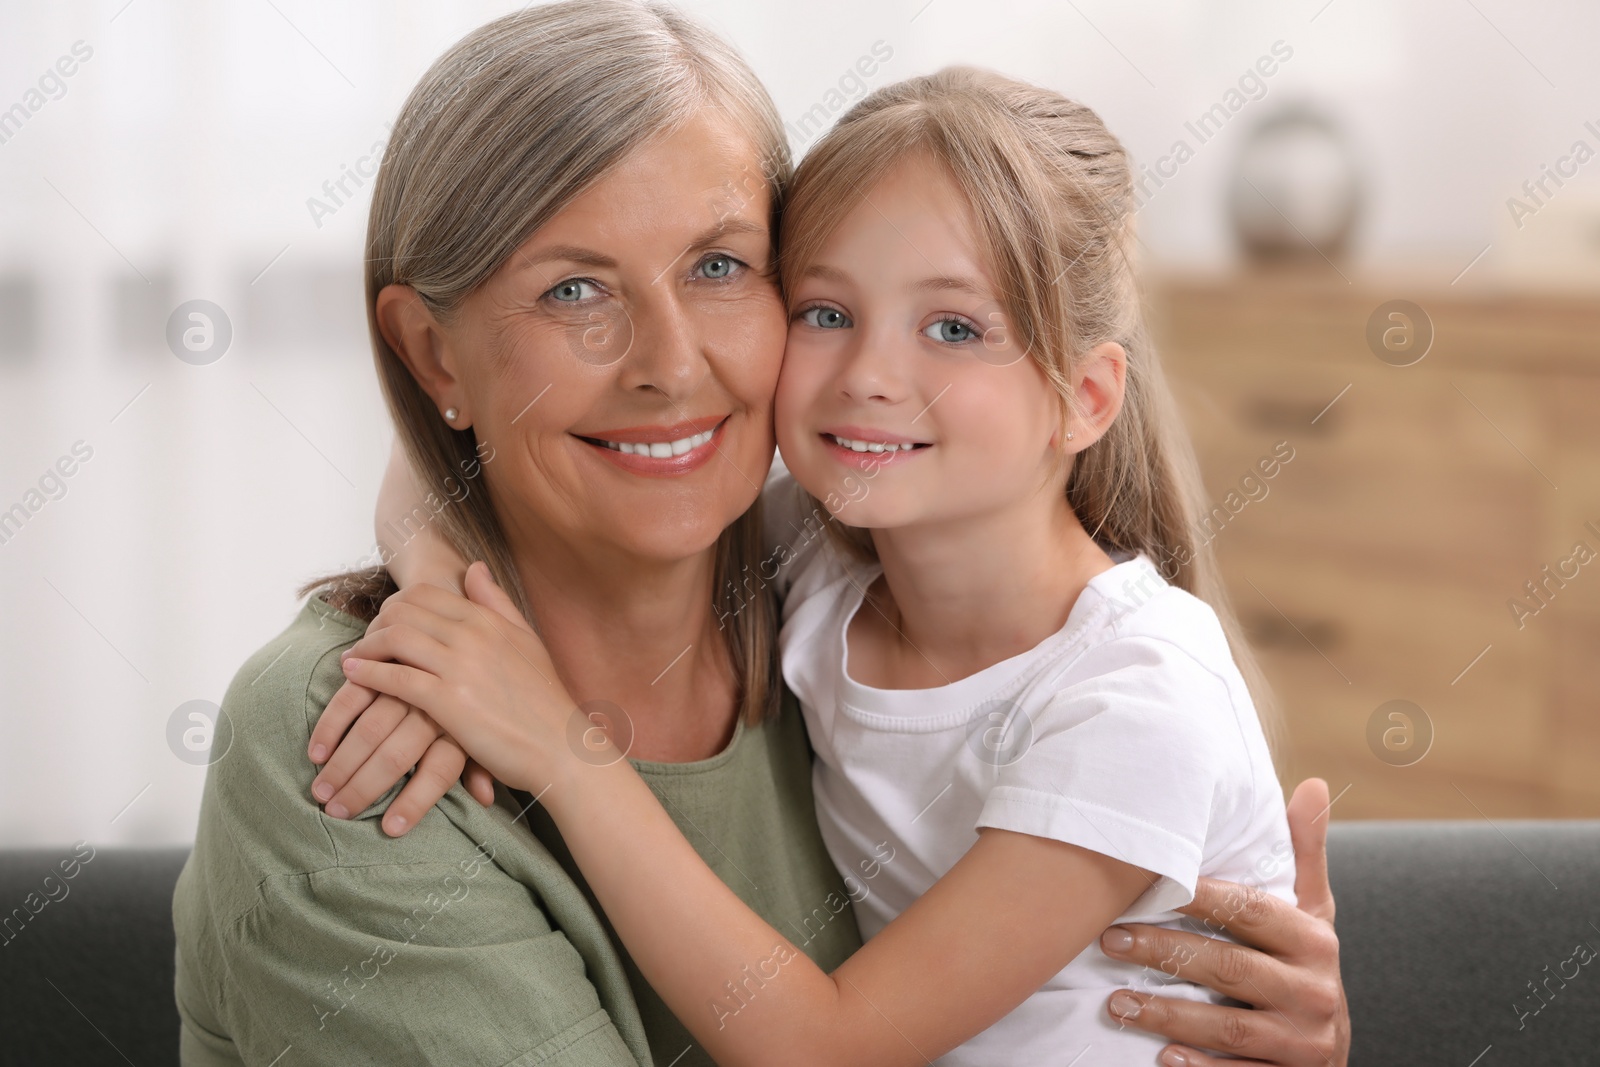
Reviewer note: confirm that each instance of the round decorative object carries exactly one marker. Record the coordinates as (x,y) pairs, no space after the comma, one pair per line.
(1296,190)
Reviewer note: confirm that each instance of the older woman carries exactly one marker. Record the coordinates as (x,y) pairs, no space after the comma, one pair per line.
(570,251)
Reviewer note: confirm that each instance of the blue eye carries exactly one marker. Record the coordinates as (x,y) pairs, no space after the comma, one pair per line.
(572,291)
(826,318)
(950,331)
(718,267)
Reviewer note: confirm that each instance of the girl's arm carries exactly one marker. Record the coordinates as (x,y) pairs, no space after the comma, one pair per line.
(975,946)
(355,727)
(1013,911)
(407,528)
(366,741)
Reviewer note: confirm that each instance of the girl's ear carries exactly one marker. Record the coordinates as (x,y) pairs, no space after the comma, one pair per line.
(414,334)
(1099,380)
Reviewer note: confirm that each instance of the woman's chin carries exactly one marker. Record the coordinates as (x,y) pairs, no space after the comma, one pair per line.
(666,541)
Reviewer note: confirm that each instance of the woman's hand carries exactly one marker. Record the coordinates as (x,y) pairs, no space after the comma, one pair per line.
(375,741)
(475,667)
(1289,974)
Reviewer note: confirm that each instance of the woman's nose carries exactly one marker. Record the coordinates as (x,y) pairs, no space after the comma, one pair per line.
(668,354)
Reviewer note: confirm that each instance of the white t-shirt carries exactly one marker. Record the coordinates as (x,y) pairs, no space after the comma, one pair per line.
(1129,732)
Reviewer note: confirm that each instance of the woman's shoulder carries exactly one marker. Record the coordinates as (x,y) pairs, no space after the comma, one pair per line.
(356,595)
(281,689)
(258,782)
(283,912)
(259,774)
(263,846)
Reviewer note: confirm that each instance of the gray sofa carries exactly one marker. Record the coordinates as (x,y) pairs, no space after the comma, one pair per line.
(1460,946)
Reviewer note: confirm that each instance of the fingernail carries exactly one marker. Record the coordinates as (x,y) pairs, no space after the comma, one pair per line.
(396,825)
(337,811)
(1173,1057)
(351,665)
(1125,1005)
(345,653)
(319,753)
(1116,939)
(322,790)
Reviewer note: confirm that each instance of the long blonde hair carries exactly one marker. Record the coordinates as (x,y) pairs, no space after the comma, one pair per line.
(1051,191)
(504,130)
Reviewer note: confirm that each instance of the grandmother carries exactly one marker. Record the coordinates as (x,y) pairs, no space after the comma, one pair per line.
(570,250)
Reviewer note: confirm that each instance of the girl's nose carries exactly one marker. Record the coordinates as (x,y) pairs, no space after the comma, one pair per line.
(874,371)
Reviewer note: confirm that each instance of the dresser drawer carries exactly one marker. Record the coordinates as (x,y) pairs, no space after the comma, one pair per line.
(1401,476)
(1382,560)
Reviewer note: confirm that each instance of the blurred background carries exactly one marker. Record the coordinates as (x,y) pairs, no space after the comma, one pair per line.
(1371,237)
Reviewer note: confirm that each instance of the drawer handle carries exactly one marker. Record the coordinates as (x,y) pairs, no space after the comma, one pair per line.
(1269,630)
(1274,414)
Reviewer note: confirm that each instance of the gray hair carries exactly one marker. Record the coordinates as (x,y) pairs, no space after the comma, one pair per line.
(504,130)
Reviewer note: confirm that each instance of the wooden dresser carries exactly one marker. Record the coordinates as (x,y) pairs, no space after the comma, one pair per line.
(1382,561)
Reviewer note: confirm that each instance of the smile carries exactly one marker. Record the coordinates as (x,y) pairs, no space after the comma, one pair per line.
(658,449)
(872,446)
(869,449)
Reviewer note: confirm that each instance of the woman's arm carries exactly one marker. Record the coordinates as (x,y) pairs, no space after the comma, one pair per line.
(992,930)
(1287,968)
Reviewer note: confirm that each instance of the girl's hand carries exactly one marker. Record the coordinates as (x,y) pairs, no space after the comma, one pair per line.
(478,670)
(1287,968)
(375,741)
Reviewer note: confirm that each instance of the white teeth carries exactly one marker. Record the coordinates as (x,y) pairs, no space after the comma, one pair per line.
(869,446)
(660,449)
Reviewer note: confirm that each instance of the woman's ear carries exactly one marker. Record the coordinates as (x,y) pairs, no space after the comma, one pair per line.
(1099,381)
(409,328)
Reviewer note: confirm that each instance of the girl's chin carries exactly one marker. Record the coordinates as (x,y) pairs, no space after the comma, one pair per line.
(852,506)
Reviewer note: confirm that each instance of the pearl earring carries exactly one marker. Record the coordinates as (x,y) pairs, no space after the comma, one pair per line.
(450,414)
(1069,435)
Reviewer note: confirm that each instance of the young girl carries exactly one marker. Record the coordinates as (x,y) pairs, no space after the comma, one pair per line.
(1028,723)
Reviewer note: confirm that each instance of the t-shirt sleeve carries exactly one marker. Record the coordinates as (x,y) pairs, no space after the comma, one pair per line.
(295,930)
(1126,762)
(445,963)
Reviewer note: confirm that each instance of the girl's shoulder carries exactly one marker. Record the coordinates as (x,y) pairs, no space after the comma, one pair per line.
(793,530)
(1152,662)
(1133,605)
(800,558)
(1142,741)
